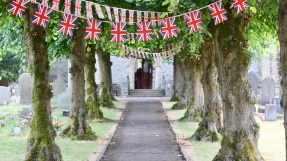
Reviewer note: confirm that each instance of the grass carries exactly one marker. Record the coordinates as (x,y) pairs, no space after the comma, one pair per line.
(13,148)
(271,141)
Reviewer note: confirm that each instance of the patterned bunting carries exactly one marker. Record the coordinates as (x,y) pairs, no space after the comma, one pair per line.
(42,15)
(89,10)
(55,5)
(145,16)
(116,14)
(193,20)
(67,24)
(153,20)
(18,7)
(93,29)
(139,16)
(131,17)
(108,9)
(217,12)
(239,5)
(123,15)
(78,8)
(99,11)
(118,32)
(144,31)
(158,18)
(67,6)
(45,2)
(168,28)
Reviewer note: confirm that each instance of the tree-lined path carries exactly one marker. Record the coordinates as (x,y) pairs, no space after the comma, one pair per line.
(143,134)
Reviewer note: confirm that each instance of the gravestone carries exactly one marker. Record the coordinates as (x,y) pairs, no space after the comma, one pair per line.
(5,94)
(59,86)
(253,80)
(268,90)
(270,112)
(25,82)
(276,101)
(17,131)
(64,99)
(4,82)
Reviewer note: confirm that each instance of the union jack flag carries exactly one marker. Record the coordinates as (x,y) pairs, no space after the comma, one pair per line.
(93,29)
(42,15)
(67,24)
(144,31)
(45,2)
(239,5)
(168,28)
(153,20)
(55,5)
(145,16)
(158,18)
(89,10)
(116,14)
(131,17)
(108,9)
(18,7)
(217,12)
(139,16)
(118,32)
(123,15)
(78,7)
(99,11)
(67,6)
(193,20)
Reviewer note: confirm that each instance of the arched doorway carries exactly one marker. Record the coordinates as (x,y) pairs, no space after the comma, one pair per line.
(143,75)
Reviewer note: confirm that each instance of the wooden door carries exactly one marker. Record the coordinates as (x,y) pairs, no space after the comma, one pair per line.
(145,75)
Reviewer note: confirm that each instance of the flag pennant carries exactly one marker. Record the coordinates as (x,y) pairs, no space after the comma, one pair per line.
(116,14)
(239,5)
(33,1)
(67,6)
(45,2)
(193,20)
(144,31)
(42,15)
(18,7)
(89,10)
(131,17)
(108,10)
(139,16)
(168,28)
(67,24)
(153,20)
(93,29)
(133,37)
(217,12)
(145,16)
(78,7)
(123,15)
(118,32)
(99,11)
(158,18)
(128,37)
(55,5)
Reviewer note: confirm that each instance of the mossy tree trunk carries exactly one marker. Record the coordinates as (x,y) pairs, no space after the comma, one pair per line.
(78,128)
(40,143)
(192,75)
(241,131)
(106,89)
(213,113)
(92,99)
(176,79)
(282,33)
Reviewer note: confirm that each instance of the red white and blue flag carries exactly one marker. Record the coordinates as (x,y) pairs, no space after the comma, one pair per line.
(118,32)
(169,28)
(67,24)
(131,17)
(45,2)
(93,29)
(145,16)
(89,10)
(139,16)
(55,5)
(153,20)
(144,31)
(18,7)
(42,15)
(78,7)
(240,5)
(67,6)
(193,20)
(158,18)
(217,12)
(99,11)
(123,15)
(108,9)
(116,14)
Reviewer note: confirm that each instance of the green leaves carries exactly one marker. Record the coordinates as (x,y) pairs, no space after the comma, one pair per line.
(253,9)
(166,2)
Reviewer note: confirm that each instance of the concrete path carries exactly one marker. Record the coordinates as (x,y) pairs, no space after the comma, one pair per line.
(143,135)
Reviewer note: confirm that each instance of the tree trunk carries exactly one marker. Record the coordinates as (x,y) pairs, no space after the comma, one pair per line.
(40,143)
(106,90)
(92,100)
(212,116)
(191,70)
(176,78)
(78,128)
(282,33)
(241,131)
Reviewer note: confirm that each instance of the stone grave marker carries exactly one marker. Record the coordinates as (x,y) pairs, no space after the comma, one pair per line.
(276,101)
(4,82)
(17,131)
(270,112)
(268,90)
(5,94)
(59,86)
(25,82)
(253,80)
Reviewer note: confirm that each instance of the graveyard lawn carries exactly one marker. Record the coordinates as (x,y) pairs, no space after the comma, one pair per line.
(13,147)
(271,140)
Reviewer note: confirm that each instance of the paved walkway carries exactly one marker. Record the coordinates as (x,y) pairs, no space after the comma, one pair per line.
(143,135)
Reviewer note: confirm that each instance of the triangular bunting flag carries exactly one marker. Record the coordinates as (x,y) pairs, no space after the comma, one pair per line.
(55,5)
(116,14)
(131,17)
(78,8)
(145,16)
(123,15)
(67,6)
(108,9)
(99,11)
(139,16)
(153,20)
(89,10)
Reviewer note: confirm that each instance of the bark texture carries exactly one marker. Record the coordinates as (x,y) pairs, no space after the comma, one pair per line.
(92,101)
(212,120)
(191,72)
(78,128)
(241,131)
(40,143)
(282,33)
(106,90)
(176,79)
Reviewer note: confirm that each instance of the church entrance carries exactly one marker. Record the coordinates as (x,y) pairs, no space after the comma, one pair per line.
(143,75)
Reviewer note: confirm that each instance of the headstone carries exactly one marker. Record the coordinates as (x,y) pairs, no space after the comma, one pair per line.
(17,131)
(270,112)
(253,80)
(124,89)
(4,82)
(26,88)
(59,86)
(276,101)
(268,90)
(64,99)
(5,94)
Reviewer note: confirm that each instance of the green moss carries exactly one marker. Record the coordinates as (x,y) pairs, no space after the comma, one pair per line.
(174,97)
(249,152)
(178,106)
(70,133)
(105,98)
